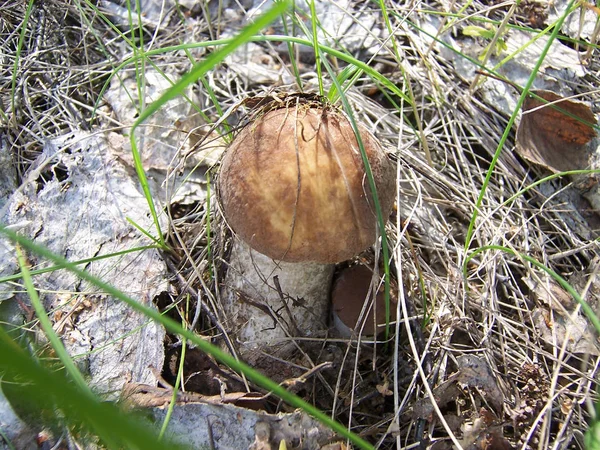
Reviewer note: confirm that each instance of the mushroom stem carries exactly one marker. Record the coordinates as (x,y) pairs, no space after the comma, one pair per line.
(268,302)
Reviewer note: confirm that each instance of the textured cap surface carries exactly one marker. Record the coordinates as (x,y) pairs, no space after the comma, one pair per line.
(292,185)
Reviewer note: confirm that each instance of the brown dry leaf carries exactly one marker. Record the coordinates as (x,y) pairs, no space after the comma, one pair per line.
(491,441)
(384,388)
(484,434)
(475,372)
(443,394)
(472,372)
(555,317)
(576,330)
(548,292)
(555,135)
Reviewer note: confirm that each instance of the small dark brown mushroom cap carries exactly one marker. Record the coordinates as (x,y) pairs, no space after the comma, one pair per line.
(349,293)
(292,185)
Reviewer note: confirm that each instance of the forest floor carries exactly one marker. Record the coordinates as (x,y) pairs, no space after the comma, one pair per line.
(494,257)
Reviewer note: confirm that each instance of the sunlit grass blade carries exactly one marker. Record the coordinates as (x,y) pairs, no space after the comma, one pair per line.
(80,262)
(315,40)
(509,125)
(197,71)
(49,389)
(346,78)
(206,347)
(291,48)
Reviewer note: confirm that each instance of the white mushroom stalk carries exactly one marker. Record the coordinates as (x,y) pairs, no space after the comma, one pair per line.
(292,187)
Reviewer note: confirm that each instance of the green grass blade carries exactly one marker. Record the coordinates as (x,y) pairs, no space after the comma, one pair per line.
(46,325)
(229,45)
(376,76)
(19,275)
(381,221)
(592,437)
(509,125)
(13,81)
(315,42)
(587,309)
(197,71)
(345,78)
(291,48)
(407,83)
(546,179)
(50,390)
(144,232)
(206,347)
(173,401)
(6,440)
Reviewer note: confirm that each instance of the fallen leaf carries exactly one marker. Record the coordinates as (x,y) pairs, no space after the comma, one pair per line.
(482,434)
(472,372)
(554,132)
(573,330)
(384,389)
(548,292)
(442,395)
(476,372)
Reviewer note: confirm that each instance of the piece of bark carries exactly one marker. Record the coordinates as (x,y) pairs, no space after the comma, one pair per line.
(76,200)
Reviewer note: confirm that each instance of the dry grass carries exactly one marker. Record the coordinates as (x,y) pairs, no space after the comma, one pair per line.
(521,383)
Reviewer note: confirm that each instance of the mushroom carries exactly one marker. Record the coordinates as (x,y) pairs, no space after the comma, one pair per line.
(351,307)
(293,189)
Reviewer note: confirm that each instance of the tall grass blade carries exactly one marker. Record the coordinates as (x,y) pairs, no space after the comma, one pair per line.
(46,325)
(50,389)
(204,346)
(197,71)
(381,221)
(509,125)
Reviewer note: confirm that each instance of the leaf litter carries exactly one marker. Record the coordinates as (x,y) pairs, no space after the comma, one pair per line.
(509,363)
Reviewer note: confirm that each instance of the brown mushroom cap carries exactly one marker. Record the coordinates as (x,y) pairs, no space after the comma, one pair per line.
(349,293)
(293,186)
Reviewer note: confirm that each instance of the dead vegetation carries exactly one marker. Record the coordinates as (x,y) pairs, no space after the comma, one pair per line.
(490,351)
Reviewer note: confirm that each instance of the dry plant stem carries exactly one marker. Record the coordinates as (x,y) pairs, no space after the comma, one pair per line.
(403,308)
(543,443)
(268,301)
(492,44)
(195,294)
(422,374)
